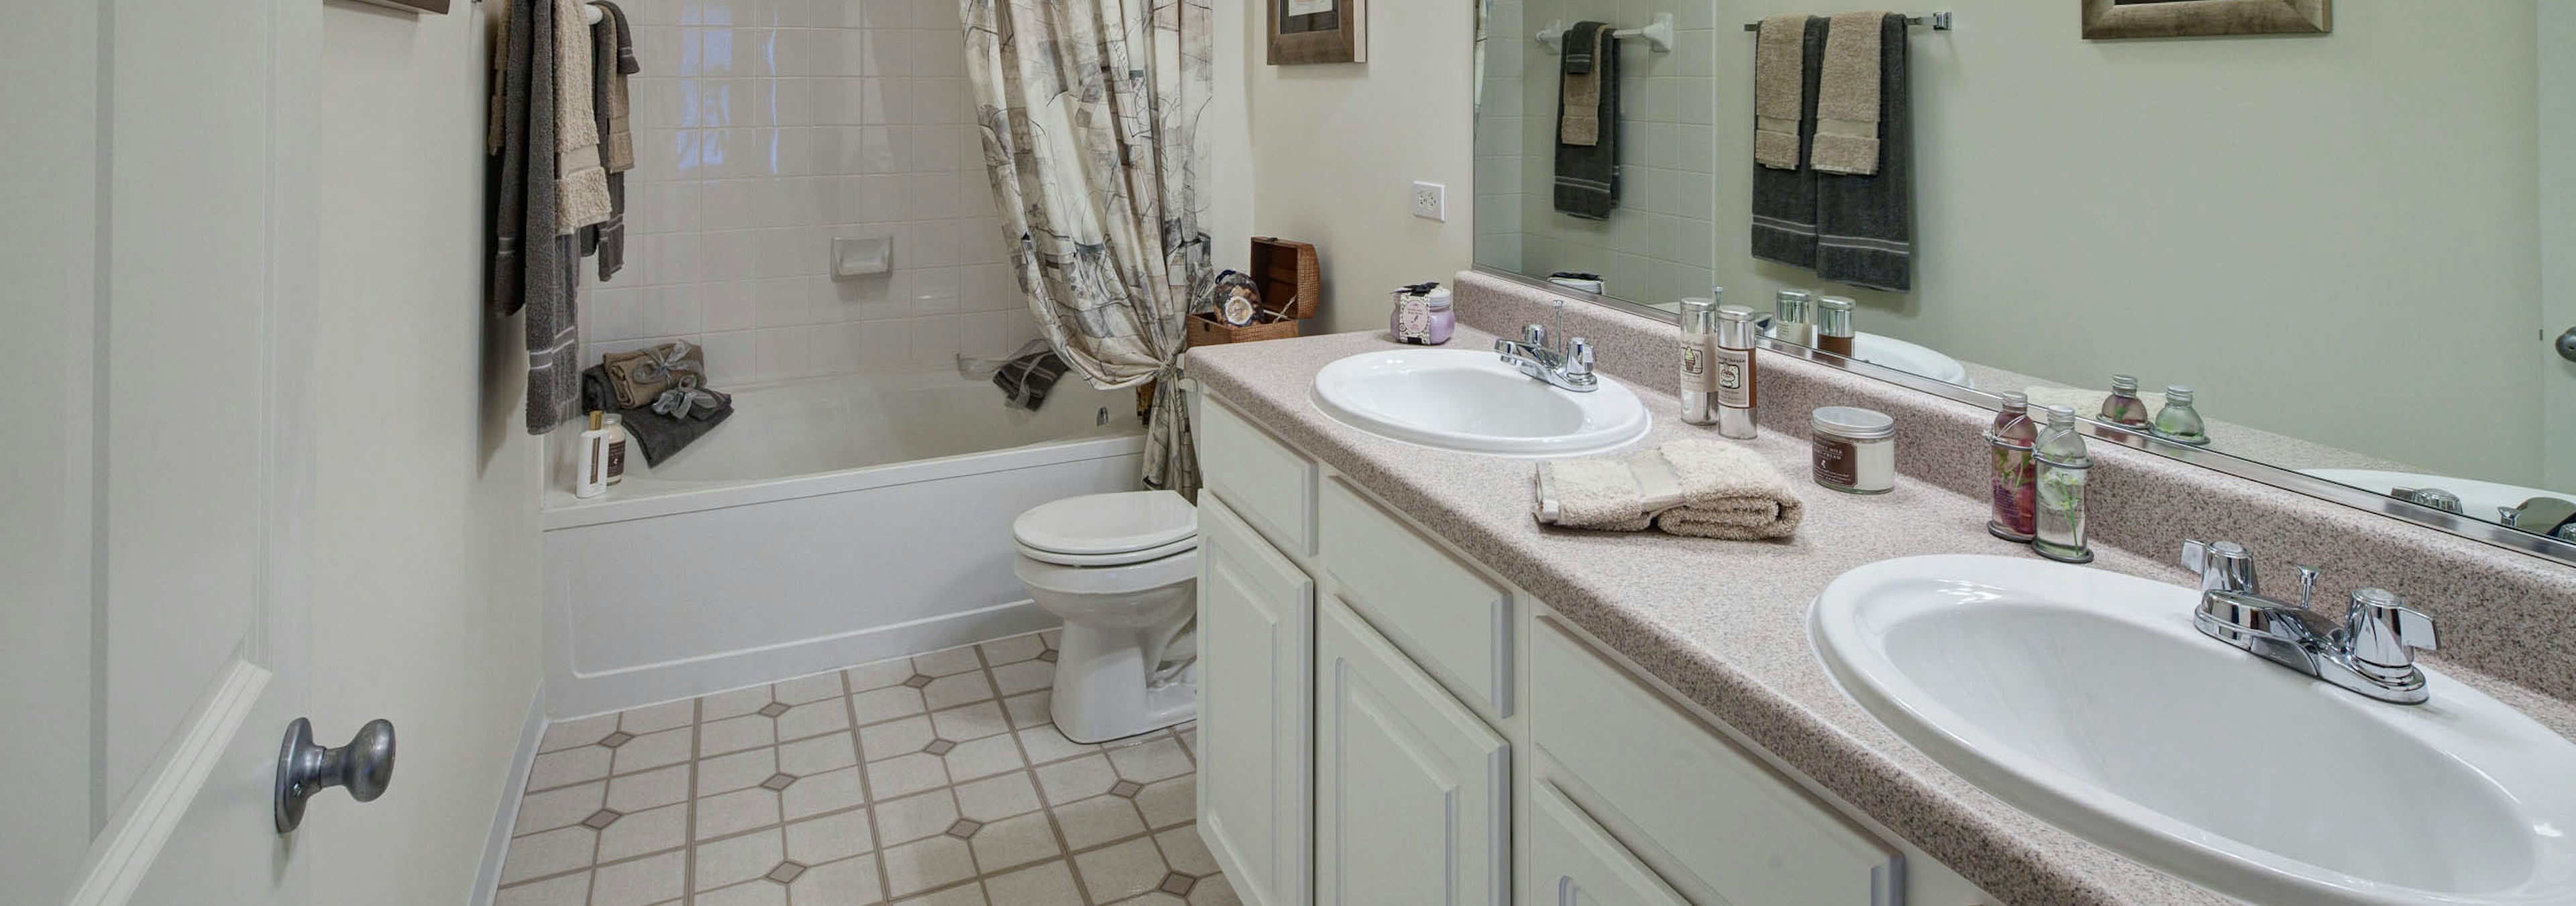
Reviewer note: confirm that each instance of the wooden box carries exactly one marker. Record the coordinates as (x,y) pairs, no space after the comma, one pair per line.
(1289,276)
(1206,330)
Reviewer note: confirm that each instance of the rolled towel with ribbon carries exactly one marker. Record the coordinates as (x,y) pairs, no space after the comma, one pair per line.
(685,396)
(641,376)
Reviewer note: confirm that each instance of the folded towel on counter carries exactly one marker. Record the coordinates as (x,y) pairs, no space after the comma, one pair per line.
(1029,374)
(1784,200)
(1779,91)
(639,377)
(2086,403)
(689,416)
(1587,176)
(1865,223)
(1847,96)
(1700,488)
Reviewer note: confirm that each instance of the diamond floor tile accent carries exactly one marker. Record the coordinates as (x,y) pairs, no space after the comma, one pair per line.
(868,793)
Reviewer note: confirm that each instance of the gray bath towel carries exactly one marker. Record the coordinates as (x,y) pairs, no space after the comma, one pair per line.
(1784,201)
(659,435)
(1587,176)
(1865,224)
(534,268)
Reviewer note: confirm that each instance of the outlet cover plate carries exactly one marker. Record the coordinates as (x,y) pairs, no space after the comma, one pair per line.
(1431,201)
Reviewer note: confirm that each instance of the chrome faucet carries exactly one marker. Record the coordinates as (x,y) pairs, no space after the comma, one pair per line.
(2372,652)
(1569,368)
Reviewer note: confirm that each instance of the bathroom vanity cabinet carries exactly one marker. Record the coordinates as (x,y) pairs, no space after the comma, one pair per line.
(1383,721)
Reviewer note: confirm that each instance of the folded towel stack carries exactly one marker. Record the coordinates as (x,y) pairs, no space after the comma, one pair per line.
(1700,488)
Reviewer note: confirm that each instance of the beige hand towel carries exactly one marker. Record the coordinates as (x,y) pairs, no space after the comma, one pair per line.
(1779,90)
(1847,98)
(581,184)
(1580,95)
(1700,488)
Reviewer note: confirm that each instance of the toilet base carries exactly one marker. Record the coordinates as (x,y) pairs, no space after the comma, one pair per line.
(1100,686)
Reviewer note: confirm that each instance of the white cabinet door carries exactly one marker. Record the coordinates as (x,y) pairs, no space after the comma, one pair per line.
(1412,804)
(1256,709)
(1570,861)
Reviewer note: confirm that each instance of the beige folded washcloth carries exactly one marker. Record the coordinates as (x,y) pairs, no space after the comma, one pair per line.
(2086,403)
(1579,121)
(1847,97)
(1700,488)
(1779,90)
(581,183)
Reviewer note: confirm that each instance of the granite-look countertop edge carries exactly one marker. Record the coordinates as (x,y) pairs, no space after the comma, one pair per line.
(1785,702)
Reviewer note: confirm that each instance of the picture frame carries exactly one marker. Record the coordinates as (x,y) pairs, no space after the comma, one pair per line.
(2116,19)
(433,7)
(1317,31)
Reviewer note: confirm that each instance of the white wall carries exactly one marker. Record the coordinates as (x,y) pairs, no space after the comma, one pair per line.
(426,492)
(2331,237)
(1336,148)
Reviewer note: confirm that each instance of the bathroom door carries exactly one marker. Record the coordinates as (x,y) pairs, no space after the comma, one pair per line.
(156,240)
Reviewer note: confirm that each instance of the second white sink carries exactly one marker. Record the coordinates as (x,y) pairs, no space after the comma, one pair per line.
(1468,400)
(2086,698)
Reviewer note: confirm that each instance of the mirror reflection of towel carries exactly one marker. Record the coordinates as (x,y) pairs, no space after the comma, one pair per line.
(1587,176)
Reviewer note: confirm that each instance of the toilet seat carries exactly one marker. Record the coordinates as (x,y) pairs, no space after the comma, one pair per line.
(1107,529)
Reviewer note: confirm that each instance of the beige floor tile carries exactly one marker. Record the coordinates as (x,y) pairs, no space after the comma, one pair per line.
(1076,779)
(652,879)
(1188,734)
(1169,802)
(1097,820)
(558,808)
(1031,709)
(570,766)
(657,718)
(1047,884)
(974,721)
(735,703)
(805,689)
(1156,898)
(1011,650)
(541,854)
(579,731)
(849,882)
(944,663)
(1025,676)
(649,789)
(740,810)
(569,890)
(736,770)
(983,758)
(1185,852)
(886,704)
(830,791)
(815,717)
(737,859)
(1214,891)
(1045,743)
(951,691)
(1160,759)
(651,830)
(734,734)
(755,892)
(895,737)
(1121,871)
(967,895)
(811,756)
(906,774)
(653,750)
(914,817)
(878,675)
(996,798)
(1013,842)
(830,838)
(923,864)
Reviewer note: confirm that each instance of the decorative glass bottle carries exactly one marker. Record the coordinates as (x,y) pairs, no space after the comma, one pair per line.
(2178,421)
(2123,407)
(2016,495)
(2063,467)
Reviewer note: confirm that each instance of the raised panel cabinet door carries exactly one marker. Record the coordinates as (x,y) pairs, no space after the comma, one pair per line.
(1412,805)
(1570,861)
(1256,710)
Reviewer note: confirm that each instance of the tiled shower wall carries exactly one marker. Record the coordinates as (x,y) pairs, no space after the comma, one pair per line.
(764,129)
(1657,245)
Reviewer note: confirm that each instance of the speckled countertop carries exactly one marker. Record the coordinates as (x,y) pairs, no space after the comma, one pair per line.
(1725,622)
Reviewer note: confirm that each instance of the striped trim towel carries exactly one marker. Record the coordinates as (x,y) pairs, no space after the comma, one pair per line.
(1865,222)
(1587,176)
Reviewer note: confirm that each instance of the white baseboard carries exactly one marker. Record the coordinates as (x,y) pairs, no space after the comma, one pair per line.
(578,695)
(505,811)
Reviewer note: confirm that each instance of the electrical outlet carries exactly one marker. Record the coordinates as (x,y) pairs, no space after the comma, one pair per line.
(1431,201)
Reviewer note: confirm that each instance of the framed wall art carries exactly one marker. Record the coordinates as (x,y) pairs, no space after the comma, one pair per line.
(1318,31)
(2194,18)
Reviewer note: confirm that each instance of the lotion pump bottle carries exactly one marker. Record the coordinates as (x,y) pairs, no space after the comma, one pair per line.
(593,480)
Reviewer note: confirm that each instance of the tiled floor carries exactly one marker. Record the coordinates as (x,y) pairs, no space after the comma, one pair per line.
(934,780)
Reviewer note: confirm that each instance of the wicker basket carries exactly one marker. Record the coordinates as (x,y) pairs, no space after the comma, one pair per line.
(1289,276)
(1206,330)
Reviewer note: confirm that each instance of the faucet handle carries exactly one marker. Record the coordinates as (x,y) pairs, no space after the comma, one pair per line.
(2222,565)
(2380,629)
(1535,335)
(2307,585)
(1578,356)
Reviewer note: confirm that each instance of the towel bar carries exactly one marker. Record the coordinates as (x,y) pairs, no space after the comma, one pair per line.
(1658,34)
(1939,21)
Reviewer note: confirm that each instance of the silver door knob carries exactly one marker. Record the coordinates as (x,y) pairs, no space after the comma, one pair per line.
(364,766)
(2567,345)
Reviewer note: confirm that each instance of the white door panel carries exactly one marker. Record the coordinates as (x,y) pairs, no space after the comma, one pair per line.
(1412,806)
(1256,709)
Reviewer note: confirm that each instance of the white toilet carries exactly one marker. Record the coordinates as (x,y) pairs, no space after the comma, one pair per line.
(1122,571)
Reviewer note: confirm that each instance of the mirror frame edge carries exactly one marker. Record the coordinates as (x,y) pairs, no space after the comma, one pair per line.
(2291,480)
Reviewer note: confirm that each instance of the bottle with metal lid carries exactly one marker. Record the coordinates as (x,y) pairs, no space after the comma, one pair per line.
(2178,421)
(2123,407)
(1699,361)
(1735,373)
(1794,317)
(2064,467)
(1834,325)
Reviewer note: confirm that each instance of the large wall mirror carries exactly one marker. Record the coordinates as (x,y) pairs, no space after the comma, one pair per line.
(2356,246)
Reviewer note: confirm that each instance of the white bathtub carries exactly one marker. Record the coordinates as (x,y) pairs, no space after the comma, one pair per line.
(829,522)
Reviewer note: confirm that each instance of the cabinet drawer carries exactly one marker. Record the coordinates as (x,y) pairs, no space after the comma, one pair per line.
(1436,607)
(1715,820)
(1270,485)
(1570,861)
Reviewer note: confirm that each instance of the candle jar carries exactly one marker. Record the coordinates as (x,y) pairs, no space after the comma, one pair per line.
(1423,315)
(1855,449)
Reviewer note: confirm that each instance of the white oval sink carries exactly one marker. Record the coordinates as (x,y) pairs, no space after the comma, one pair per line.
(1911,358)
(2086,698)
(1468,400)
(2478,499)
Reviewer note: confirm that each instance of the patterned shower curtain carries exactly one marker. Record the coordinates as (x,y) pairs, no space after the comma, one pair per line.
(1092,114)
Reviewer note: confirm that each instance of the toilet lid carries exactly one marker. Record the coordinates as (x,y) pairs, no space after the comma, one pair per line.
(1096,524)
